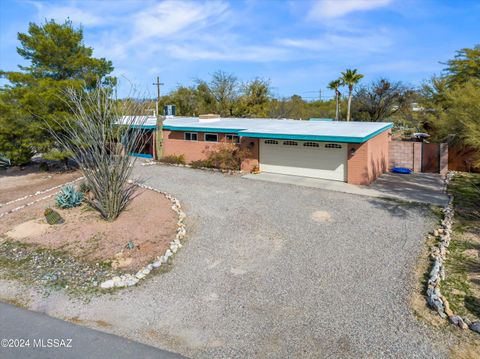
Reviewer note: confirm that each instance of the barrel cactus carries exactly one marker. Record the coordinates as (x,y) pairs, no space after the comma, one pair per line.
(52,217)
(68,197)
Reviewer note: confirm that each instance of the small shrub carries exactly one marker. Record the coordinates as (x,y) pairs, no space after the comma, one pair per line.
(84,187)
(68,197)
(43,167)
(201,164)
(174,159)
(52,216)
(226,156)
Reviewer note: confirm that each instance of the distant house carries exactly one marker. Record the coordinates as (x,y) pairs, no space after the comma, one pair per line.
(353,152)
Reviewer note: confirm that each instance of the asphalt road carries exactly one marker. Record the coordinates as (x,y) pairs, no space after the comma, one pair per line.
(73,341)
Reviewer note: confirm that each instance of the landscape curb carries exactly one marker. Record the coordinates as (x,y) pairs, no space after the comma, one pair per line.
(129,280)
(439,254)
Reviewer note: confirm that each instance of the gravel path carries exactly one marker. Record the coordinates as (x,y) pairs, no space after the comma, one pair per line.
(273,271)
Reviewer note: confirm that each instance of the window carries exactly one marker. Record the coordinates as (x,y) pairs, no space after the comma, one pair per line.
(190,136)
(290,143)
(211,137)
(271,142)
(233,138)
(333,145)
(311,144)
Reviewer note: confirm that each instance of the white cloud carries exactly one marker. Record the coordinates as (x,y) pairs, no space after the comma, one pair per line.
(334,43)
(337,8)
(61,13)
(237,53)
(171,18)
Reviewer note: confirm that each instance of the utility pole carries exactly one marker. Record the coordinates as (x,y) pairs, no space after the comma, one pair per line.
(158,141)
(158,84)
(320,95)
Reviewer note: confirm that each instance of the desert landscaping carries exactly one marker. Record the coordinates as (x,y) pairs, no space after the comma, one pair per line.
(83,239)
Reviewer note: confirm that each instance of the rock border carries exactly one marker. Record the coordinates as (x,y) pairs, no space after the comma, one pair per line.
(32,195)
(210,169)
(129,280)
(439,253)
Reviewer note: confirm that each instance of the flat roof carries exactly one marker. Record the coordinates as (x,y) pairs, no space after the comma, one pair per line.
(332,131)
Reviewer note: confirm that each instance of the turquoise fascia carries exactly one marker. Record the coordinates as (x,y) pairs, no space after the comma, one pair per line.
(283,136)
(316,138)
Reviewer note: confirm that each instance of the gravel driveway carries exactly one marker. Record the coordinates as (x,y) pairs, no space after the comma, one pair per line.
(274,271)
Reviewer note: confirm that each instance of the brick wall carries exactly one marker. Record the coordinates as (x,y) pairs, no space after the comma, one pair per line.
(405,154)
(369,161)
(357,169)
(174,144)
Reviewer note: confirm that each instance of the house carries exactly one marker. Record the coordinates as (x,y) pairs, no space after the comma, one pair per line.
(353,152)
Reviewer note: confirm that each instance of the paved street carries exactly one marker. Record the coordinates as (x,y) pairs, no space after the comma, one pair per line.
(17,323)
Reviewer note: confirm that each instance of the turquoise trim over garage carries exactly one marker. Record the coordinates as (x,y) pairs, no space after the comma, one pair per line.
(283,136)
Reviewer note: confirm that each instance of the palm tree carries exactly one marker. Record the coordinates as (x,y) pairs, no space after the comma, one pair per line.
(350,78)
(334,85)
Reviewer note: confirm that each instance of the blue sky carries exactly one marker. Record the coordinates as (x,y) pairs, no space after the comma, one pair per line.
(299,45)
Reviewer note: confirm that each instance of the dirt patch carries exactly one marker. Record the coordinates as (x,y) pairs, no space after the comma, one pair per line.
(141,232)
(321,216)
(32,228)
(17,183)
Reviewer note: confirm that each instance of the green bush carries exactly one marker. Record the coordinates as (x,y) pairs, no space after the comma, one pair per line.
(68,197)
(174,159)
(43,167)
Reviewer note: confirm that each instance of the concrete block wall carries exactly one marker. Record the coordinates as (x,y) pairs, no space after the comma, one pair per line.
(405,154)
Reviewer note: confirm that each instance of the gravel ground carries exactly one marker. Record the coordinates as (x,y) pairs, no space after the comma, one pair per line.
(273,271)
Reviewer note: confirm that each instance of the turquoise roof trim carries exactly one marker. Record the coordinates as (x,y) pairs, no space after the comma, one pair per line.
(282,136)
(202,129)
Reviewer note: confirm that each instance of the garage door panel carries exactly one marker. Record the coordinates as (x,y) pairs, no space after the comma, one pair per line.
(318,162)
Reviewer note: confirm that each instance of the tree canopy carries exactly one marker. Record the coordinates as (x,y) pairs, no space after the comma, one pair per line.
(31,100)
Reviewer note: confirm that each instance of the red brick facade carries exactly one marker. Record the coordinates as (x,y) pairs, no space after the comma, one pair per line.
(175,144)
(369,160)
(367,163)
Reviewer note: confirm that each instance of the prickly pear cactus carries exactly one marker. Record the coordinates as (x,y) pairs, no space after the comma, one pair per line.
(68,197)
(52,217)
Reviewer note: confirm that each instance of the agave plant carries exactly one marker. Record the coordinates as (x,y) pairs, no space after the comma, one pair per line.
(68,197)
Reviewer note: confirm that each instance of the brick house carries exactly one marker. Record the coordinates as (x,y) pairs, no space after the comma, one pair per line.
(353,152)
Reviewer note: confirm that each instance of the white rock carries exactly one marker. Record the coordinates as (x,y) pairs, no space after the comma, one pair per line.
(156,264)
(116,279)
(174,248)
(146,271)
(107,284)
(120,284)
(176,241)
(168,253)
(140,275)
(163,259)
(150,266)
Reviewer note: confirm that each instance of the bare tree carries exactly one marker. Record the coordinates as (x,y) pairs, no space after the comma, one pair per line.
(100,135)
(381,99)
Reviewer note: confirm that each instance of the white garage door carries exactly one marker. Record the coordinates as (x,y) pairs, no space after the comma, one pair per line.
(300,158)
